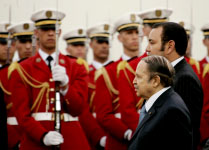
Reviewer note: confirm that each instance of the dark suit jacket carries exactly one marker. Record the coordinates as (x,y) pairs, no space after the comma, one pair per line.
(188,86)
(3,123)
(167,125)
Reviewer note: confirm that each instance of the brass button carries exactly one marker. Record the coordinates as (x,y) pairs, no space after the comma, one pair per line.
(51,89)
(51,80)
(52,100)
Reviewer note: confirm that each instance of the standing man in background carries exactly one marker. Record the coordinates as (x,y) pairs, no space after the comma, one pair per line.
(170,40)
(77,47)
(35,78)
(106,99)
(76,43)
(205,60)
(130,103)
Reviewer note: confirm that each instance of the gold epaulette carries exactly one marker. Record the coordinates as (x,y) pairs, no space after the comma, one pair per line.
(103,71)
(205,70)
(98,73)
(44,86)
(123,65)
(81,61)
(192,61)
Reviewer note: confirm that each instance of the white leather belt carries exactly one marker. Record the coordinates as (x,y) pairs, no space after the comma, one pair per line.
(44,116)
(12,121)
(118,115)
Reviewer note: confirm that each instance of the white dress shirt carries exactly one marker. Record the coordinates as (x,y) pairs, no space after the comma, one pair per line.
(175,62)
(153,98)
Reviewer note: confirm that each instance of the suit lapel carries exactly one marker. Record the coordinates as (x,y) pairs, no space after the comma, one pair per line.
(153,110)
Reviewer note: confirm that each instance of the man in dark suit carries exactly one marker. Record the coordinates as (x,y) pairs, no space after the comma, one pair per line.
(165,124)
(170,40)
(3,123)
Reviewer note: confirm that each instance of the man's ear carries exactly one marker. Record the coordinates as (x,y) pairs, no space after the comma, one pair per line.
(60,31)
(36,32)
(169,47)
(119,37)
(156,81)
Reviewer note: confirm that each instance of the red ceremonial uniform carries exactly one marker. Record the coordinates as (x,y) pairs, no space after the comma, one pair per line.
(89,124)
(92,87)
(204,125)
(34,102)
(130,103)
(14,134)
(203,63)
(195,65)
(107,107)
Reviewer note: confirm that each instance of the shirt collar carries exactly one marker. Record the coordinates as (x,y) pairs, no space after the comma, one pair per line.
(99,65)
(153,98)
(125,57)
(44,56)
(175,62)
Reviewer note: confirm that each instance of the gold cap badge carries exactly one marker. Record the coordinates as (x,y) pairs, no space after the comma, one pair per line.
(80,31)
(106,27)
(49,14)
(158,13)
(133,18)
(26,26)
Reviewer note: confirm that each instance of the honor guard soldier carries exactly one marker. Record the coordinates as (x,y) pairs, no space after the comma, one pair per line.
(23,35)
(77,46)
(34,92)
(76,43)
(106,99)
(6,50)
(100,36)
(20,32)
(205,60)
(204,65)
(194,63)
(130,102)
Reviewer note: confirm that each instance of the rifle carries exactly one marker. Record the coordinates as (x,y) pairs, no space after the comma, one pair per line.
(57,112)
(9,39)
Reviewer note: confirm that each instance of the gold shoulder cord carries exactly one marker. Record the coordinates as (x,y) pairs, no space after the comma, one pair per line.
(4,90)
(123,65)
(196,63)
(81,61)
(205,70)
(26,77)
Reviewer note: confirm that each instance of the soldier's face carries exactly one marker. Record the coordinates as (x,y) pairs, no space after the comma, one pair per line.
(206,42)
(100,49)
(129,39)
(142,82)
(3,52)
(24,49)
(155,46)
(47,38)
(77,50)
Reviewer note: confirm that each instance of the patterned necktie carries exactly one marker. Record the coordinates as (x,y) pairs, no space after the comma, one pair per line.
(143,112)
(49,59)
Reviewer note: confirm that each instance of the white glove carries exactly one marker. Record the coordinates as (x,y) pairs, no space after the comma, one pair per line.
(128,134)
(59,74)
(53,138)
(103,141)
